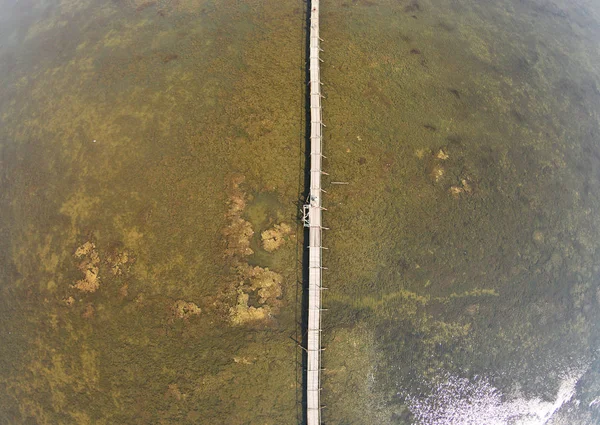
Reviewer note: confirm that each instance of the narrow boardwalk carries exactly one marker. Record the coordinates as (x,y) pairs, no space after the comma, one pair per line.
(313,220)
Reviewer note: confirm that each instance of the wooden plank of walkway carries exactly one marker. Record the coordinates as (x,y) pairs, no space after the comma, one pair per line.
(313,371)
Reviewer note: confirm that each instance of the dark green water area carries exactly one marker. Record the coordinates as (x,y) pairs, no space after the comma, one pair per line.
(151,172)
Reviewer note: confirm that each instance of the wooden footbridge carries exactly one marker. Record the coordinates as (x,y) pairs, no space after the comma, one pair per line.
(312,220)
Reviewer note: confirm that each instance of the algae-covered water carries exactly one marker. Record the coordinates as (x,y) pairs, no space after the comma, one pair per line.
(152,159)
(145,147)
(464,261)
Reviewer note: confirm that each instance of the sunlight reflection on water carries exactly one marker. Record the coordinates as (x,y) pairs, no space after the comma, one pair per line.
(460,401)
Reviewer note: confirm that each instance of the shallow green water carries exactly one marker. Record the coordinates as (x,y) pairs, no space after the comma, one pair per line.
(463,260)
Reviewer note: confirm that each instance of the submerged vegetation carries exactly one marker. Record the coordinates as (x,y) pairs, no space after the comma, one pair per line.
(152,159)
(131,254)
(461,246)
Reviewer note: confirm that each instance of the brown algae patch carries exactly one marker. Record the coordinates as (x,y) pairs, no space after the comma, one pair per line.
(118,263)
(89,267)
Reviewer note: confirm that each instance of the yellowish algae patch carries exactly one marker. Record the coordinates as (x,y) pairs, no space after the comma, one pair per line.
(88,248)
(243,360)
(89,266)
(259,290)
(185,309)
(238,235)
(442,155)
(239,231)
(119,262)
(242,313)
(275,237)
(266,284)
(463,188)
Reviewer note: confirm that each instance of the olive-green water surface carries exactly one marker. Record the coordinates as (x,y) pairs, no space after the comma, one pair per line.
(464,252)
(136,127)
(146,146)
